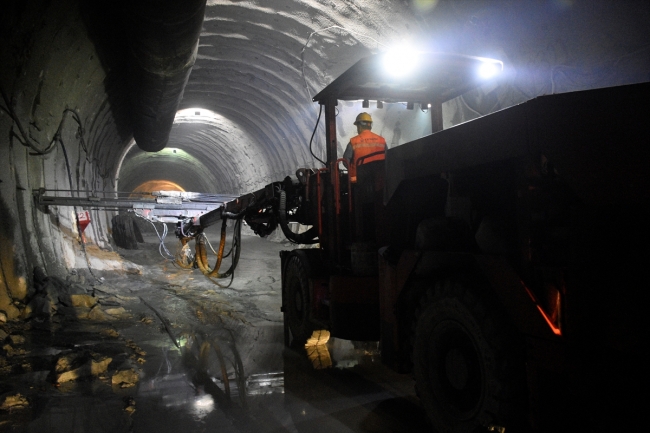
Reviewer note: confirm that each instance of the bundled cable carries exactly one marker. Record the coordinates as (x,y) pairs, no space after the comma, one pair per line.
(309,237)
(202,254)
(162,248)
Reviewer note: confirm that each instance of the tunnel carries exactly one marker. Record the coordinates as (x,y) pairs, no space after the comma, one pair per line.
(217,97)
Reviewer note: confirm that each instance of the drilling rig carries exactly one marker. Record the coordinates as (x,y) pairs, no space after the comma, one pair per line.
(496,260)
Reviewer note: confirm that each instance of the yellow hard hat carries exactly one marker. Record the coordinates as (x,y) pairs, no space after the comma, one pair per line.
(363,117)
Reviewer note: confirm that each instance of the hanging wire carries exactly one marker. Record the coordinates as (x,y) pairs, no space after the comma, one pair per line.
(320,111)
(76,215)
(162,248)
(304,78)
(325,29)
(26,141)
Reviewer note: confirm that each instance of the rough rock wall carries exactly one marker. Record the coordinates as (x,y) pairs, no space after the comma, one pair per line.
(57,131)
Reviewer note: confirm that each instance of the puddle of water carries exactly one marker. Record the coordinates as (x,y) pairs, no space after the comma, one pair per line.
(232,372)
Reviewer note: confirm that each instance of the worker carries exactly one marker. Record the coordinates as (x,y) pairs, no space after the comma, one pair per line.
(365,143)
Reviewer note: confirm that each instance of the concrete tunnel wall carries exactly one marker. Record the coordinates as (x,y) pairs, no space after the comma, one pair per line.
(249,74)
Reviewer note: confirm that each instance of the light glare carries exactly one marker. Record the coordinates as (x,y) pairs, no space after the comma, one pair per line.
(487,70)
(400,61)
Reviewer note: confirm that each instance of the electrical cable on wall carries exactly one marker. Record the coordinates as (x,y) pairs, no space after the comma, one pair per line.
(38,151)
(24,139)
(74,211)
(27,141)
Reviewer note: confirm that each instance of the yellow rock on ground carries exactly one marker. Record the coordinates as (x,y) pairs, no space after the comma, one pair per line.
(14,402)
(6,305)
(63,363)
(83,301)
(99,367)
(17,339)
(92,368)
(125,378)
(119,311)
(98,314)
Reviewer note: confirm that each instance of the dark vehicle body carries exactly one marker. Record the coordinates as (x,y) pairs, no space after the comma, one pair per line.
(502,261)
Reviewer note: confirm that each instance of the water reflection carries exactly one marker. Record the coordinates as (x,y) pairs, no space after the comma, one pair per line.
(265,384)
(355,394)
(204,386)
(325,352)
(203,405)
(171,390)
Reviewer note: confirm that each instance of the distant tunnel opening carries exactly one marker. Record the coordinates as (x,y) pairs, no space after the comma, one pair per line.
(157,185)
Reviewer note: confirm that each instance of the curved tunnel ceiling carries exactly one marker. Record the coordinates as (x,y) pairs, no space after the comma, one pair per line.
(259,63)
(249,75)
(204,156)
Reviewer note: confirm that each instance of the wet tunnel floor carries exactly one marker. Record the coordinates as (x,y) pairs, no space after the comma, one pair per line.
(206,358)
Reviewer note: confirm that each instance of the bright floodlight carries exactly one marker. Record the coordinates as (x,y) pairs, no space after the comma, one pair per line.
(400,61)
(488,70)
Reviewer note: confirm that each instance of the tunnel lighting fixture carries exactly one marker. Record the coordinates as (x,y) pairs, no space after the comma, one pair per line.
(195,115)
(428,105)
(489,69)
(400,61)
(173,151)
(365,103)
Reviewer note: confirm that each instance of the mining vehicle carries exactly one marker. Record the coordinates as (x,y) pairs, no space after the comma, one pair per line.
(501,260)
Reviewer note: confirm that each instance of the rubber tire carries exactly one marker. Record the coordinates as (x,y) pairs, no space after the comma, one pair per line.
(125,232)
(467,362)
(297,302)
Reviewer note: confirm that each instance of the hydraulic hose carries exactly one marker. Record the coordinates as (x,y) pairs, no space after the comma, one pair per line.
(308,237)
(202,254)
(222,245)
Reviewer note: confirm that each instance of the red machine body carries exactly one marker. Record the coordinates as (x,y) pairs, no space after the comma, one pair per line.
(495,260)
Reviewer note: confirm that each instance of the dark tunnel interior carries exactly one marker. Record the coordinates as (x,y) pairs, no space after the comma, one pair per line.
(125,98)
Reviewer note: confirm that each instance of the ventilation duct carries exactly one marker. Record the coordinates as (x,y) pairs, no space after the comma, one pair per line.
(164,38)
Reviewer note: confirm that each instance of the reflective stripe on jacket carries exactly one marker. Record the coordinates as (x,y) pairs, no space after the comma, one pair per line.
(364,144)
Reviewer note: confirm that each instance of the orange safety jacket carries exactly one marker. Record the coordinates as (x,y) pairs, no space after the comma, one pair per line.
(364,144)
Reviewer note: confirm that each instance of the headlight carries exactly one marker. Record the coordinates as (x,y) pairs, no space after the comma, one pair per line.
(488,70)
(400,61)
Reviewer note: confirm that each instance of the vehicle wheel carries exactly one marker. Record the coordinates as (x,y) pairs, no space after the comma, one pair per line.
(125,232)
(468,370)
(297,300)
